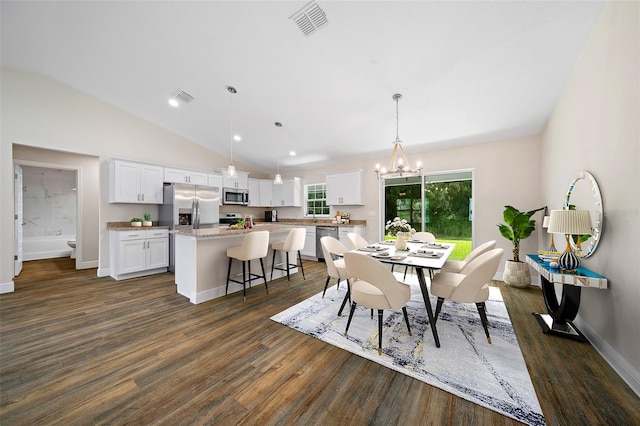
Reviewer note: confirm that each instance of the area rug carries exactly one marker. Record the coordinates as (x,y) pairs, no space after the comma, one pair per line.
(491,375)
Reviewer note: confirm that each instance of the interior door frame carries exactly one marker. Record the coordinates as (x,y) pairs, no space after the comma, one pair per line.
(78,171)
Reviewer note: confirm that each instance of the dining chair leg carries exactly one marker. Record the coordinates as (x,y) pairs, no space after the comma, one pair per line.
(483,317)
(228,276)
(325,286)
(346,297)
(264,276)
(353,308)
(379,331)
(301,266)
(287,264)
(406,319)
(244,282)
(273,263)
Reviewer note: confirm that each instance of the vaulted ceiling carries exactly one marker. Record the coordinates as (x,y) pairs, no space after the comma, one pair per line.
(469,72)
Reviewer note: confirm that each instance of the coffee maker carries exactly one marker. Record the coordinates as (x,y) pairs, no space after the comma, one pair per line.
(270,216)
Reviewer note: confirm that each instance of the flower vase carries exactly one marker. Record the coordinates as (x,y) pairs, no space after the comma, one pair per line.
(401,241)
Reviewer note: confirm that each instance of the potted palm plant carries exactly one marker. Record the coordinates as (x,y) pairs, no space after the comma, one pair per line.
(518,226)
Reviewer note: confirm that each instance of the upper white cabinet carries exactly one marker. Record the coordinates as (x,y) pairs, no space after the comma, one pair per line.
(289,193)
(345,188)
(265,193)
(185,176)
(239,181)
(215,180)
(254,193)
(131,182)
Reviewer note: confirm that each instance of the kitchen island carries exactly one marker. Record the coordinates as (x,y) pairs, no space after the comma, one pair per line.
(202,262)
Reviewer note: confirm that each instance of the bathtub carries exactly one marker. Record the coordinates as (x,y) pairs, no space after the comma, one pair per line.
(46,247)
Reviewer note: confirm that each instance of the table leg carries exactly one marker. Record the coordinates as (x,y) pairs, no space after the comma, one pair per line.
(427,303)
(560,314)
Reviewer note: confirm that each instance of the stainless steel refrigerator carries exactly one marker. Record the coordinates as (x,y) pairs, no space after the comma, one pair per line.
(188,207)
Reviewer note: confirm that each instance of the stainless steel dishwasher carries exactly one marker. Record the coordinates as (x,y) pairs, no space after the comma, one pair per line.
(322,231)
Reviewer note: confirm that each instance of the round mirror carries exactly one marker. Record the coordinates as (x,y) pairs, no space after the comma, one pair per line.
(584,194)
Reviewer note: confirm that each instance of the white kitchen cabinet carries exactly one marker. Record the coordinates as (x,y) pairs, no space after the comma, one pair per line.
(131,182)
(266,193)
(185,176)
(343,234)
(289,193)
(254,193)
(309,249)
(215,181)
(345,188)
(135,253)
(239,181)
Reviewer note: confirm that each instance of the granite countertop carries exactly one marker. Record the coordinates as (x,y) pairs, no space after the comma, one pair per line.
(126,226)
(320,222)
(225,231)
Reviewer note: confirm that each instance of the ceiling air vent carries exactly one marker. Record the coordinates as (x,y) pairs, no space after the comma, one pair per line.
(310,18)
(183,96)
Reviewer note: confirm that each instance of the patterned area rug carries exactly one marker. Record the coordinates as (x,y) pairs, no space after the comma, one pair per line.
(492,375)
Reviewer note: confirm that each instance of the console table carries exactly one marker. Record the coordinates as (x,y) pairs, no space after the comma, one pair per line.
(560,315)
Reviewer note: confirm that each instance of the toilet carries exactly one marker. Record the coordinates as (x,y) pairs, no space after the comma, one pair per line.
(72,244)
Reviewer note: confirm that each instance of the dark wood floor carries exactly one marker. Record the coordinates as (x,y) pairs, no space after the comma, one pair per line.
(77,349)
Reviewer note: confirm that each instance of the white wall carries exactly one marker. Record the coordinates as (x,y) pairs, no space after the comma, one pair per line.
(39,112)
(595,127)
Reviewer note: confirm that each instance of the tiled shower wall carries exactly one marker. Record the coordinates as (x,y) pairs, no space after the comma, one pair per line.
(50,200)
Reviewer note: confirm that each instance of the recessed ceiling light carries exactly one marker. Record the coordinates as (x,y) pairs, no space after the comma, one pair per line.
(173,102)
(237,138)
(292,153)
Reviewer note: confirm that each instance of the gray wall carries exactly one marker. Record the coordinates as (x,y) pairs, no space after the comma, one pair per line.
(595,127)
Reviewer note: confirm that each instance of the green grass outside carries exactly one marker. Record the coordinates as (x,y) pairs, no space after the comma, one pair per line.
(462,249)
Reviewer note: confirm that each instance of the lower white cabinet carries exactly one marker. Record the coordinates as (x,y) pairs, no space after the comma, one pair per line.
(344,231)
(309,249)
(134,253)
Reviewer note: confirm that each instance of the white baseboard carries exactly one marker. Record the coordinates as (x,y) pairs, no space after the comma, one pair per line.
(7,287)
(625,370)
(88,265)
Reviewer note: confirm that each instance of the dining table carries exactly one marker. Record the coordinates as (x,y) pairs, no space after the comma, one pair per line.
(419,255)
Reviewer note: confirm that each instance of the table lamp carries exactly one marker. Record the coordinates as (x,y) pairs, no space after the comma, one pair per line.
(545,224)
(569,222)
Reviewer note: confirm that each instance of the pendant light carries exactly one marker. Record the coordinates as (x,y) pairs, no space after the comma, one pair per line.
(398,167)
(231,170)
(278,178)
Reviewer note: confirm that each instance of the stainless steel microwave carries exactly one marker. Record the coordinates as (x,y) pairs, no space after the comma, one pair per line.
(235,196)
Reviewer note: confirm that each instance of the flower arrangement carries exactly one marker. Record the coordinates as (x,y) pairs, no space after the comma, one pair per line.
(398,225)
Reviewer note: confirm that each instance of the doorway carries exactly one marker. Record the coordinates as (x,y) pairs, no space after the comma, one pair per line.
(439,202)
(47,214)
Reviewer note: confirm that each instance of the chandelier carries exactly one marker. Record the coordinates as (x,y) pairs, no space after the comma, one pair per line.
(399,164)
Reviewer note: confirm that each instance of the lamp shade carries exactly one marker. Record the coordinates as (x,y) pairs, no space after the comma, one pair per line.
(574,222)
(545,221)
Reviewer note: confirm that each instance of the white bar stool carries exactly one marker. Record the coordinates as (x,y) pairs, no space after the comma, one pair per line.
(254,246)
(294,242)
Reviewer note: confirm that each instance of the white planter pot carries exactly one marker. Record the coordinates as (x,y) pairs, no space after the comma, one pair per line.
(136,224)
(516,274)
(147,223)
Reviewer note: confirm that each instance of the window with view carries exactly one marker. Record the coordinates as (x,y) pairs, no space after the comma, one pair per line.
(316,200)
